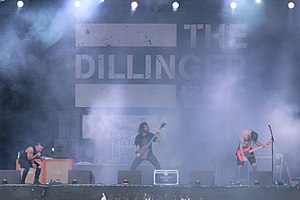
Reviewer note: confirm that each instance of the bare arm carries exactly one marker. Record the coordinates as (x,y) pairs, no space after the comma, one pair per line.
(241,145)
(136,148)
(30,155)
(258,143)
(242,142)
(103,197)
(158,137)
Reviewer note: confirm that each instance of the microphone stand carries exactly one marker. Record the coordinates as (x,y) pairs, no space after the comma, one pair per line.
(272,139)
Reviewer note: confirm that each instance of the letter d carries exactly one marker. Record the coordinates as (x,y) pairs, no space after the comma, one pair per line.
(78,66)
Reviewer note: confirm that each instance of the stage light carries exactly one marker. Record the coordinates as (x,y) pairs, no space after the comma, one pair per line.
(20,4)
(233,5)
(77,4)
(4,181)
(134,5)
(258,1)
(291,5)
(74,181)
(197,182)
(175,5)
(125,182)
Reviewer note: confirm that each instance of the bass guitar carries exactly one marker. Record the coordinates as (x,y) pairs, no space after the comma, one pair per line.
(247,151)
(143,152)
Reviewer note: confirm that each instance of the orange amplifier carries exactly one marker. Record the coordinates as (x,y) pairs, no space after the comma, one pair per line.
(52,170)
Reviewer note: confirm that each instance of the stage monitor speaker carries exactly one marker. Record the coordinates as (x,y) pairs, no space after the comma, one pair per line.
(81,177)
(10,176)
(201,177)
(129,177)
(262,178)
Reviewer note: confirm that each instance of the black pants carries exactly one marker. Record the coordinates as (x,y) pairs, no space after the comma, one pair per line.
(151,158)
(26,164)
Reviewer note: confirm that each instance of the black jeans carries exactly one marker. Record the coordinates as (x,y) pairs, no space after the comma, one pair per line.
(26,164)
(151,158)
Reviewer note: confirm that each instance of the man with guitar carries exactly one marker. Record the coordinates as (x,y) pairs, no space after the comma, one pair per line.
(245,151)
(143,146)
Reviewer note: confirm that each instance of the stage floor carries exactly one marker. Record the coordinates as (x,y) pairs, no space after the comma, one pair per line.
(146,192)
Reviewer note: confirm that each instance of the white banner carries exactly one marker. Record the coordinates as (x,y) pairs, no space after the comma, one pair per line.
(125,95)
(126,35)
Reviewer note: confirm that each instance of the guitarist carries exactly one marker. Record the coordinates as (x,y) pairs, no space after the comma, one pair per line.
(247,140)
(142,147)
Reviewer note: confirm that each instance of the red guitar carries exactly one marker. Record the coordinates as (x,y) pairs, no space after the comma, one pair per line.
(247,151)
(143,152)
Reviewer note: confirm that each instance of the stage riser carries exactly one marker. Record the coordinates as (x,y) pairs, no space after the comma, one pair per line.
(83,192)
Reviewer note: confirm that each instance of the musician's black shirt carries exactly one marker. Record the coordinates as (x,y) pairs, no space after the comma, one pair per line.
(23,154)
(23,159)
(143,140)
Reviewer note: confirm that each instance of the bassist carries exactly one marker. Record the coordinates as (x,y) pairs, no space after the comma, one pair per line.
(143,146)
(247,140)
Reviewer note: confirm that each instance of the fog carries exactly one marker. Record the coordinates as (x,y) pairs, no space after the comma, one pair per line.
(202,133)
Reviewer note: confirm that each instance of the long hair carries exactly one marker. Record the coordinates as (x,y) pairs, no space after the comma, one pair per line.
(254,136)
(141,128)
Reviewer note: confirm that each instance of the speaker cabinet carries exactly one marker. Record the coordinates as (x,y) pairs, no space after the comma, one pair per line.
(31,172)
(11,176)
(263,177)
(56,170)
(132,177)
(52,170)
(202,178)
(81,176)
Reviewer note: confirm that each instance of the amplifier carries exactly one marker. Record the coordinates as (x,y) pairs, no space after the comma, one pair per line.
(166,177)
(56,170)
(31,172)
(52,170)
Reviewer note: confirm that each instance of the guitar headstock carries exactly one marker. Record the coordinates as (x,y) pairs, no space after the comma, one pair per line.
(269,143)
(162,125)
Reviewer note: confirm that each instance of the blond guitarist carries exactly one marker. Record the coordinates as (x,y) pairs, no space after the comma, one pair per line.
(247,140)
(143,146)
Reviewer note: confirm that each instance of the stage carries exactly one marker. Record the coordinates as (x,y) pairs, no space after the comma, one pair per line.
(147,192)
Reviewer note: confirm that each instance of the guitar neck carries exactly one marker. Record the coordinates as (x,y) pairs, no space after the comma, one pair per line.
(148,144)
(255,149)
(260,147)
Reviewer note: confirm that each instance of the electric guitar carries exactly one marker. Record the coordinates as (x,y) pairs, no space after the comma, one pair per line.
(247,151)
(143,152)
